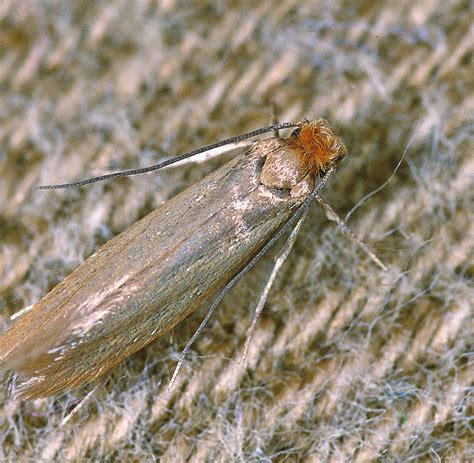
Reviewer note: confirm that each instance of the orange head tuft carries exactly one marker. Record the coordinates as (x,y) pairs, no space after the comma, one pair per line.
(317,147)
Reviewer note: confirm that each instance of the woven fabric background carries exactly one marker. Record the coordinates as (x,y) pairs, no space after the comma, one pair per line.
(347,363)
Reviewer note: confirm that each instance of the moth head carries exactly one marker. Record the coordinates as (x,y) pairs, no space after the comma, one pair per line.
(317,146)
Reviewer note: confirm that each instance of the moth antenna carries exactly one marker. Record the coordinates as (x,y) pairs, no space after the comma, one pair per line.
(167,162)
(350,233)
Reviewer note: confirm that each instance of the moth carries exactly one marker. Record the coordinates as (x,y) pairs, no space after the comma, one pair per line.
(148,278)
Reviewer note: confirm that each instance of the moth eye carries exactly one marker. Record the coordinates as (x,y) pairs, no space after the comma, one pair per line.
(296,133)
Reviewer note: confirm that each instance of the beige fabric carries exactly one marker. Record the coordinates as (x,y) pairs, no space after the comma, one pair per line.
(347,363)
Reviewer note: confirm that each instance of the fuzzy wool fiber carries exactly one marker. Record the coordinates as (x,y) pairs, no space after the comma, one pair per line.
(348,363)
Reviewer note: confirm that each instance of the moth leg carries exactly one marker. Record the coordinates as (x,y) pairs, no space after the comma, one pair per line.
(279,260)
(82,402)
(342,225)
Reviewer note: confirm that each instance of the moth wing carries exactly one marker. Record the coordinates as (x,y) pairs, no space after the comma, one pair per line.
(59,357)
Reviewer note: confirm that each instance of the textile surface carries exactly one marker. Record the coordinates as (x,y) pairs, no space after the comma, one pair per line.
(347,363)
